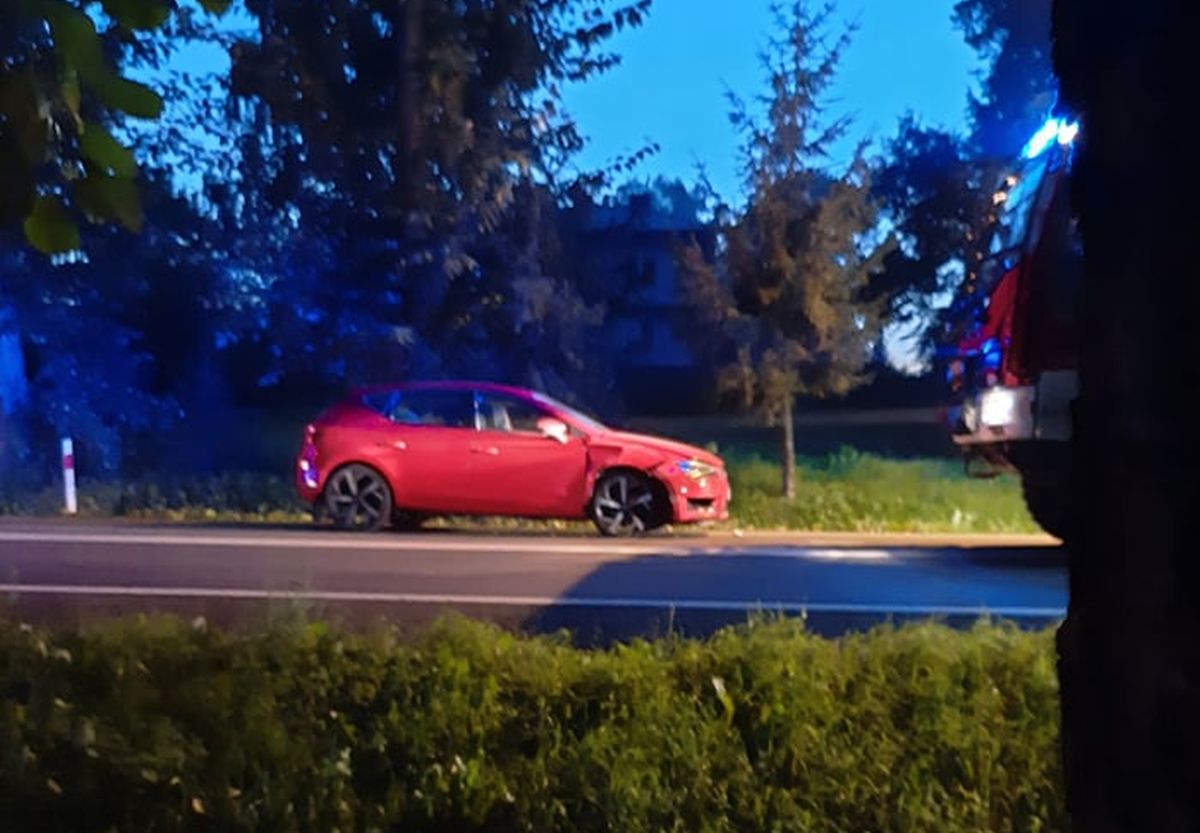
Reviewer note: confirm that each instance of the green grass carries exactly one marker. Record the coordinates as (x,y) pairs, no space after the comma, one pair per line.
(844,491)
(234,497)
(851,491)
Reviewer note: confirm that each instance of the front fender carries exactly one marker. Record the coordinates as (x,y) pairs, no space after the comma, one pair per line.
(602,458)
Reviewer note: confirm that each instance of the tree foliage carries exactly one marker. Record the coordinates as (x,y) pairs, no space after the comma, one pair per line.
(937,197)
(61,93)
(1018,88)
(938,186)
(113,343)
(417,148)
(790,301)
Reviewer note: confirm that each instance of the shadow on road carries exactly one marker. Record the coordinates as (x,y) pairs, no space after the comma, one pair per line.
(835,589)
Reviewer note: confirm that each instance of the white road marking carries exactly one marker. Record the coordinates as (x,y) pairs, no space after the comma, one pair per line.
(855,554)
(325,541)
(361,542)
(240,593)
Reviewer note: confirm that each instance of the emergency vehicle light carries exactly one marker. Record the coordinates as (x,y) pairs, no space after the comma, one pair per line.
(1055,129)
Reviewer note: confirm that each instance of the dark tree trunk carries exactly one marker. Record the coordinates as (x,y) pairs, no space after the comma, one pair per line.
(787,450)
(1129,653)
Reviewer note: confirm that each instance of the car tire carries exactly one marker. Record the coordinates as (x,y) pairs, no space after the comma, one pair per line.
(627,503)
(357,498)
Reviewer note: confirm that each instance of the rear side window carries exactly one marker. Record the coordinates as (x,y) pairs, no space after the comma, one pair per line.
(442,408)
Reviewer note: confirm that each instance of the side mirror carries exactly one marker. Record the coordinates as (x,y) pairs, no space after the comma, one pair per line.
(554,429)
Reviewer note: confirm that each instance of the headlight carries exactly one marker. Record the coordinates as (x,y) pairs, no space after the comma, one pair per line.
(696,469)
(998,407)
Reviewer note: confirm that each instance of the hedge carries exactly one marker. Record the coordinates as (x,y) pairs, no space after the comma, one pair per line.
(160,725)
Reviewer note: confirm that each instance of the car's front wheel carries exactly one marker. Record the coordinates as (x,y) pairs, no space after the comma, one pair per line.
(357,498)
(627,503)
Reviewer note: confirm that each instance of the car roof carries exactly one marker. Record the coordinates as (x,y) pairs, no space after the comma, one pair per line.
(484,387)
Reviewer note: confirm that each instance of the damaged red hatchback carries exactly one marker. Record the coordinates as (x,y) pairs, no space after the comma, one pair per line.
(397,454)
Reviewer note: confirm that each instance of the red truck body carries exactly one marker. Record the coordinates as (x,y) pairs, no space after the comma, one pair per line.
(1014,376)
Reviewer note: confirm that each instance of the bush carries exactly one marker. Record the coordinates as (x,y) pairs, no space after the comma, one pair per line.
(235,496)
(157,725)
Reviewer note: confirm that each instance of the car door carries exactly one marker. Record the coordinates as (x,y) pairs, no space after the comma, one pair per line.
(429,444)
(516,470)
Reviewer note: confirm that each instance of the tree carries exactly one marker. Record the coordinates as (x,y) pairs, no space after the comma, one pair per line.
(1018,89)
(789,302)
(398,139)
(60,96)
(937,187)
(87,352)
(938,197)
(110,342)
(1129,681)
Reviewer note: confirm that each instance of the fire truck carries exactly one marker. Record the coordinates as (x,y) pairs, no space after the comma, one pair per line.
(1014,376)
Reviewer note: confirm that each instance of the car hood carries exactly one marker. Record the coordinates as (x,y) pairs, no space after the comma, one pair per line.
(667,448)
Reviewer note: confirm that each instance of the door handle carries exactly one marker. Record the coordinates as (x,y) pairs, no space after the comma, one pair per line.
(490,450)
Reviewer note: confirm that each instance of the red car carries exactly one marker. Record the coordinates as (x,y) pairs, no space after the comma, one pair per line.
(398,453)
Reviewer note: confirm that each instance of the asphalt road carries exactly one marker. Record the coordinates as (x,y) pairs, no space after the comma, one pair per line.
(65,572)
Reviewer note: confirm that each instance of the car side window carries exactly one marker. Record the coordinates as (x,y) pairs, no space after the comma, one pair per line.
(441,408)
(498,412)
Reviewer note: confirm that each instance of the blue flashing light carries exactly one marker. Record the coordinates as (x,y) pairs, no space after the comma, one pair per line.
(991,354)
(1054,130)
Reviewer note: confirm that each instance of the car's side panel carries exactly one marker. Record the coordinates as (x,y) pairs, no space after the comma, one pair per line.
(342,435)
(607,455)
(428,466)
(527,474)
(604,455)
(424,465)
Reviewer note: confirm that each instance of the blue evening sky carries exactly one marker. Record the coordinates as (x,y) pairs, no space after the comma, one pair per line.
(670,87)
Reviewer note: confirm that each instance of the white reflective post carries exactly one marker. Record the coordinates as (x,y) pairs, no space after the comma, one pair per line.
(68,465)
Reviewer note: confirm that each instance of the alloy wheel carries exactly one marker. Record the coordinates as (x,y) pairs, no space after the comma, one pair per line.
(358,498)
(624,504)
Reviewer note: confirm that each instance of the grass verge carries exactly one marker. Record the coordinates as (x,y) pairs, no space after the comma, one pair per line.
(854,492)
(844,491)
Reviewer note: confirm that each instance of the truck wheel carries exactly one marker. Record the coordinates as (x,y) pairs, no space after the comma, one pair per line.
(1048,501)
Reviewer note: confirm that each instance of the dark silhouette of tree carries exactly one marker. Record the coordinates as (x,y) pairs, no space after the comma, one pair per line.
(112,341)
(1129,646)
(934,194)
(408,157)
(1017,89)
(938,187)
(101,336)
(789,301)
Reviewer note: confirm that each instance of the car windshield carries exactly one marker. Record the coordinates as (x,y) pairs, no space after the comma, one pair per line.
(581,420)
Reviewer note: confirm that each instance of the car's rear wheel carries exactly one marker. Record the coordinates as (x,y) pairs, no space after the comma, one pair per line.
(357,498)
(627,503)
